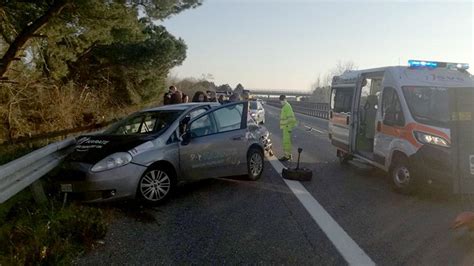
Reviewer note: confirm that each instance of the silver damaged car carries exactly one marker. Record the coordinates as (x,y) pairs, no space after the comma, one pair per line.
(147,154)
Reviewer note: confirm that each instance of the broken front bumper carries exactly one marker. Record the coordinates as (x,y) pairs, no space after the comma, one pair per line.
(77,179)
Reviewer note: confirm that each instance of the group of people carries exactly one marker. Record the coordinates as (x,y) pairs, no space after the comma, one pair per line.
(175,96)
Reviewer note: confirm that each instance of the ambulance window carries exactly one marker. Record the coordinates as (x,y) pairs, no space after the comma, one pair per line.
(391,108)
(341,100)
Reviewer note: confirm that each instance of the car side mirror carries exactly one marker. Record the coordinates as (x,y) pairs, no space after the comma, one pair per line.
(186,120)
(186,138)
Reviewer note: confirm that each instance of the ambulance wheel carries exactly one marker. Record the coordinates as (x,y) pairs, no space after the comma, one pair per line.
(403,180)
(255,163)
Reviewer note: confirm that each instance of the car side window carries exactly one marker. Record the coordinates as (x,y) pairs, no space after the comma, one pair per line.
(391,108)
(148,124)
(203,126)
(229,118)
(341,100)
(197,112)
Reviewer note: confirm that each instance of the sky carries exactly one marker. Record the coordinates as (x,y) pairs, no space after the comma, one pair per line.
(284,44)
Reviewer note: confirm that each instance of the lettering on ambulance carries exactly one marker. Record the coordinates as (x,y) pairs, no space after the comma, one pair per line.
(406,132)
(434,77)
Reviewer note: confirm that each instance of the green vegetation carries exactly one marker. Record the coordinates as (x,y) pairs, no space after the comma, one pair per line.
(47,235)
(67,63)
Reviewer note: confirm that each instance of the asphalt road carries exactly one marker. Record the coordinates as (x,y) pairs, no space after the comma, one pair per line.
(237,221)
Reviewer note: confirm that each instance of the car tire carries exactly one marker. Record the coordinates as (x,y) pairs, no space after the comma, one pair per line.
(156,186)
(255,163)
(402,176)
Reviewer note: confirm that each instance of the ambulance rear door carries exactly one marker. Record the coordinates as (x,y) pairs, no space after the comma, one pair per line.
(340,115)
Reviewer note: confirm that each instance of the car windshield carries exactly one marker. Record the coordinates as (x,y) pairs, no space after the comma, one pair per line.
(253,105)
(144,123)
(429,105)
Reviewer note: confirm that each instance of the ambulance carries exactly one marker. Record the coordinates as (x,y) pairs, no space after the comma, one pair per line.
(415,122)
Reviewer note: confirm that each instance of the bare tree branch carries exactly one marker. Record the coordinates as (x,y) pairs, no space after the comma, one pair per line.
(27,33)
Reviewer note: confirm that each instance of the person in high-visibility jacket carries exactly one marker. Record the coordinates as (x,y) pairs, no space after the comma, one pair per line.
(287,123)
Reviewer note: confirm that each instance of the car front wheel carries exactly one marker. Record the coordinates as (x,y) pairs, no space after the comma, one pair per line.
(156,186)
(255,164)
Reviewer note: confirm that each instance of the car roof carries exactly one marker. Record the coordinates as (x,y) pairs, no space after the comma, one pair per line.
(179,107)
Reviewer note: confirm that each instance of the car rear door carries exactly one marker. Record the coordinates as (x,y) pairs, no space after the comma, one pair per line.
(218,145)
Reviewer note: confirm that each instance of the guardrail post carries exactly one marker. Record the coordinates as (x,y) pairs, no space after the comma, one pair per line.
(38,192)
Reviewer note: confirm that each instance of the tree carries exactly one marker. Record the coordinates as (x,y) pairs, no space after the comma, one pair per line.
(65,56)
(65,29)
(321,89)
(136,71)
(226,88)
(339,69)
(239,88)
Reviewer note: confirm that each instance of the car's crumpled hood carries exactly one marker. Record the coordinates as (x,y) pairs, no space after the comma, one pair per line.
(93,148)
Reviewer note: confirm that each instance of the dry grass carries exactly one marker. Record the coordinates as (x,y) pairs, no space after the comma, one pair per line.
(31,108)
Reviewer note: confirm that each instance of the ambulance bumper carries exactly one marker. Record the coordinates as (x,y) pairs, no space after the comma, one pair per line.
(433,165)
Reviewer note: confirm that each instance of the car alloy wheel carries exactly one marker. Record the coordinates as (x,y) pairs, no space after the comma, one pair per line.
(155,186)
(255,164)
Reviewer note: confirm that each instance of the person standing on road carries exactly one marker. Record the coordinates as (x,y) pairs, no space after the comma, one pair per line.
(199,96)
(177,97)
(287,123)
(172,93)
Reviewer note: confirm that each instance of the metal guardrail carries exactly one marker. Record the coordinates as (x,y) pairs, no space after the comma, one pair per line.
(61,133)
(320,110)
(22,172)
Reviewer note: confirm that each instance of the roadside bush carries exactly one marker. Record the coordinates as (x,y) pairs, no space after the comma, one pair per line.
(33,234)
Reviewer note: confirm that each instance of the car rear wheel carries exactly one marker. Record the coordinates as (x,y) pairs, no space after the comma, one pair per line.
(403,180)
(156,185)
(255,163)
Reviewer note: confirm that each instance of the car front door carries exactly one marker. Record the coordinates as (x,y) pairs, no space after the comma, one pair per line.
(216,143)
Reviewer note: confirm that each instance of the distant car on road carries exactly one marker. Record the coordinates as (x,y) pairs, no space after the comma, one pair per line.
(147,154)
(257,112)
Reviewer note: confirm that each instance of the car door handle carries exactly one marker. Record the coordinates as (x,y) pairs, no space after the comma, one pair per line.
(238,137)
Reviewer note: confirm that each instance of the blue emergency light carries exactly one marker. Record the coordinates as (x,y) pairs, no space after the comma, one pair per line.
(434,64)
(418,63)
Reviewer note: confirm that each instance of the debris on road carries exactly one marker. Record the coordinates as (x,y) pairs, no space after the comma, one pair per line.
(300,174)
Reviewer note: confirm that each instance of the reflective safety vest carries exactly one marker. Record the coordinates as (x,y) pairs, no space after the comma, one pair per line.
(287,117)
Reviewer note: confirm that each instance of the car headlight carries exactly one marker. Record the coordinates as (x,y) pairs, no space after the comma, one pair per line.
(112,161)
(426,138)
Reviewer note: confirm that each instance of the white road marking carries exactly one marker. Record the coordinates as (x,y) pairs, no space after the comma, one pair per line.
(314,129)
(347,247)
(319,131)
